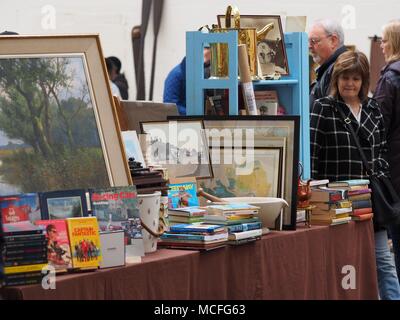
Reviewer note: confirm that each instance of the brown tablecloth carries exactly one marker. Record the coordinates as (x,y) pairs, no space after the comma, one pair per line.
(302,264)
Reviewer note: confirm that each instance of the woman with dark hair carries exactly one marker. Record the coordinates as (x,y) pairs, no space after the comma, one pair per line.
(334,154)
(387,93)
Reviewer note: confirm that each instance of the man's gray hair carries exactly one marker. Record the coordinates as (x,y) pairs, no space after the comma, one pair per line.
(331,26)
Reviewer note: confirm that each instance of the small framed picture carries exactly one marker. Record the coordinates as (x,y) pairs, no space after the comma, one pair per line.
(64,204)
(178,145)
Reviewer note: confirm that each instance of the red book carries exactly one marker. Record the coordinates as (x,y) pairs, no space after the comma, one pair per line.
(357,212)
(363,217)
(58,247)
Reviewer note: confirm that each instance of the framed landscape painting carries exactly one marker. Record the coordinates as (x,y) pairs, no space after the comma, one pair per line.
(58,127)
(260,177)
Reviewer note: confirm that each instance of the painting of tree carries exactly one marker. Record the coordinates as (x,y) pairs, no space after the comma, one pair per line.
(49,139)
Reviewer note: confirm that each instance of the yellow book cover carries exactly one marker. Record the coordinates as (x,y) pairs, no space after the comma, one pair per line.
(85,242)
(26,268)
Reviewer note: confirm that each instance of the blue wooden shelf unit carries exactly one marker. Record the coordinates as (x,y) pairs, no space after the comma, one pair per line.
(293,90)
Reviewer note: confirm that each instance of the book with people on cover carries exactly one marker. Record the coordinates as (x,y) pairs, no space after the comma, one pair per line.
(85,242)
(58,249)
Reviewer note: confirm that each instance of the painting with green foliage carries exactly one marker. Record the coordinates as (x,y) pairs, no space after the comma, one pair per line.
(49,137)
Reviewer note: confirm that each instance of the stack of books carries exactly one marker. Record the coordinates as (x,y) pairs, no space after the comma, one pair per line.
(359,194)
(147,180)
(24,253)
(240,219)
(186,215)
(332,206)
(197,236)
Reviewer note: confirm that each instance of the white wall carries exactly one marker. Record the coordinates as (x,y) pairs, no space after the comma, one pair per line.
(113,20)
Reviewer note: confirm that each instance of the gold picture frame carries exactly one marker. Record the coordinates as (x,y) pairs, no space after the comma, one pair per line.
(55,90)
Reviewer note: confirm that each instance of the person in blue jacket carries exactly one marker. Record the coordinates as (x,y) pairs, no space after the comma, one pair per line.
(175,83)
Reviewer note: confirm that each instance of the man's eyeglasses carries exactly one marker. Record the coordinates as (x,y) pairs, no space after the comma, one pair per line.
(314,41)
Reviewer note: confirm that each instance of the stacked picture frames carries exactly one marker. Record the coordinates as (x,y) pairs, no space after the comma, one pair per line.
(250,156)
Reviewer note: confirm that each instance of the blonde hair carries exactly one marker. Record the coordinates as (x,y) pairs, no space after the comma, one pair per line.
(391,32)
(351,62)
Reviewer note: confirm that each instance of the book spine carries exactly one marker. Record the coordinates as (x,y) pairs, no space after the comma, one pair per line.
(24,275)
(357,212)
(245,234)
(244,227)
(365,196)
(362,204)
(22,238)
(24,262)
(24,268)
(25,251)
(188,230)
(25,244)
(22,232)
(22,282)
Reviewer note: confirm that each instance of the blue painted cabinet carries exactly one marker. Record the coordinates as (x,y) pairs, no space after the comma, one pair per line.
(293,90)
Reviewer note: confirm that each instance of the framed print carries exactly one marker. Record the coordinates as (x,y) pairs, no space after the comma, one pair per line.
(132,146)
(63,204)
(180,146)
(259,177)
(58,124)
(271,51)
(260,132)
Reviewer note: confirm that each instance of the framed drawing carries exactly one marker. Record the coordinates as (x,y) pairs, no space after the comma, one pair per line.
(57,119)
(180,146)
(276,132)
(64,204)
(271,51)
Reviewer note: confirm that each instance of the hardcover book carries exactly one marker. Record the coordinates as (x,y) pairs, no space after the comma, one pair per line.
(188,212)
(266,102)
(196,227)
(183,193)
(58,248)
(116,208)
(85,242)
(64,204)
(20,207)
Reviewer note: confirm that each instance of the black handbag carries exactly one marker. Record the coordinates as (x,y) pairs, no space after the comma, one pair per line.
(385,201)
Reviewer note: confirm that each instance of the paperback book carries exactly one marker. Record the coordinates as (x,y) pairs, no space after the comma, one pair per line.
(58,248)
(85,242)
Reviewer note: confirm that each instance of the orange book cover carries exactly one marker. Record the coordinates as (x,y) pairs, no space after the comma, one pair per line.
(360,211)
(85,242)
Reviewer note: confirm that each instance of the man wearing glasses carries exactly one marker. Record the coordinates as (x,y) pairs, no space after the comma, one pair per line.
(326,44)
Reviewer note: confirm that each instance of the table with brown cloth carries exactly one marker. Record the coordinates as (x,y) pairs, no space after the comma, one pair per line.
(302,264)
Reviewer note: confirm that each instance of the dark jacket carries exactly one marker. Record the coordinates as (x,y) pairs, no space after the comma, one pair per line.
(175,87)
(334,155)
(320,87)
(387,93)
(122,85)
